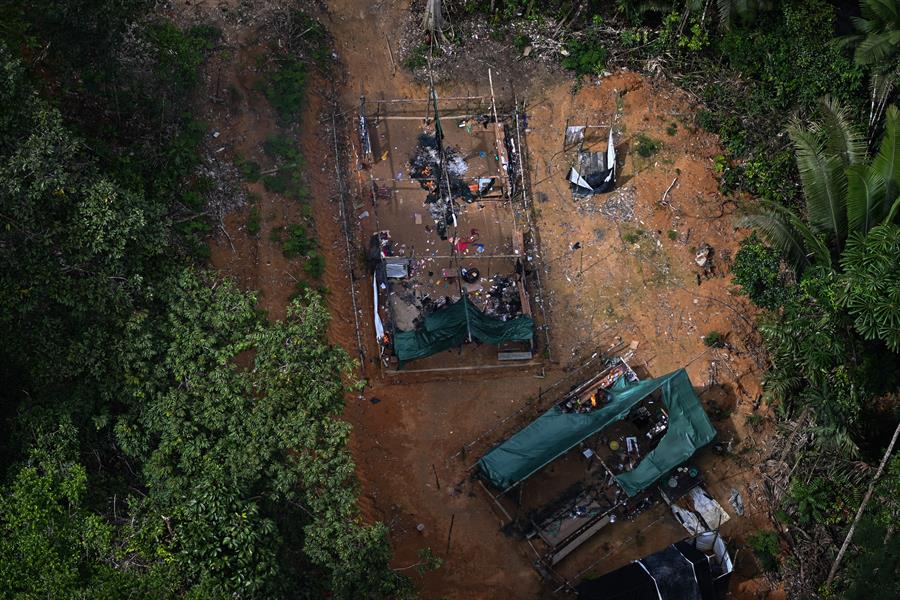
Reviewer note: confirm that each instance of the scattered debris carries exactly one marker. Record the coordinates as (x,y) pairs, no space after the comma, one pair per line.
(737,501)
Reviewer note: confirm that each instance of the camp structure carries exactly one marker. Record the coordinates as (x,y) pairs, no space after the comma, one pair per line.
(698,568)
(449,266)
(593,172)
(609,440)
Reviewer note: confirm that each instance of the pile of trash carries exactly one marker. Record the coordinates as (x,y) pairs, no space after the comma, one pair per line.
(425,167)
(503,300)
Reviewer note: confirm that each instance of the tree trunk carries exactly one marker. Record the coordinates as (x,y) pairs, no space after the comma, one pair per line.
(862,507)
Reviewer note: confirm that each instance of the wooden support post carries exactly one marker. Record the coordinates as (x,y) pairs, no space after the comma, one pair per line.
(436,480)
(449,533)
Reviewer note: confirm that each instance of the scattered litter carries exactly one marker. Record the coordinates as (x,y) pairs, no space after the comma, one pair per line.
(703,254)
(418,218)
(374,400)
(216,134)
(364,215)
(619,206)
(737,501)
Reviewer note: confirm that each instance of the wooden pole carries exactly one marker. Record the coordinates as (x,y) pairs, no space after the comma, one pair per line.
(449,533)
(862,507)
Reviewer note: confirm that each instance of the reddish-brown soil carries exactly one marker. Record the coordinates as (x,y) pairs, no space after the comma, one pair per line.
(634,284)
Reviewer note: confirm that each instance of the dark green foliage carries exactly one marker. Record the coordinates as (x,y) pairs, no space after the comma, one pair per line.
(809,500)
(179,54)
(871,290)
(714,339)
(315,265)
(757,269)
(587,55)
(287,180)
(417,58)
(298,242)
(645,145)
(766,549)
(250,169)
(280,146)
(218,461)
(787,57)
(253,221)
(873,573)
(286,87)
(51,544)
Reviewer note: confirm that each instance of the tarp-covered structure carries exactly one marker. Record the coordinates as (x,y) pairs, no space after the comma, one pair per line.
(452,324)
(556,431)
(692,569)
(596,172)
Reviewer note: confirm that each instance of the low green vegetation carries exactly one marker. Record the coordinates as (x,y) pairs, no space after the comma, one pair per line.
(286,86)
(417,57)
(253,221)
(757,270)
(765,547)
(645,145)
(250,170)
(714,339)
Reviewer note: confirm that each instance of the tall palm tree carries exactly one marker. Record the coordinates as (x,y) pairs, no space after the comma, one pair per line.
(843,192)
(877,46)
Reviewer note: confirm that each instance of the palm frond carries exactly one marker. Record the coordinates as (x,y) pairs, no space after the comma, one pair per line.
(865,198)
(887,161)
(824,182)
(841,136)
(876,48)
(885,11)
(787,233)
(895,209)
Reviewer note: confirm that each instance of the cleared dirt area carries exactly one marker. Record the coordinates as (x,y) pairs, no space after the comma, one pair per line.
(632,284)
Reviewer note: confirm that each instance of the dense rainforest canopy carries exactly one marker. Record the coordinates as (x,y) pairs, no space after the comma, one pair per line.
(161,438)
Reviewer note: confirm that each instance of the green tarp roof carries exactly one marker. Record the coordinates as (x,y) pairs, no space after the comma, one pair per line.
(555,432)
(449,327)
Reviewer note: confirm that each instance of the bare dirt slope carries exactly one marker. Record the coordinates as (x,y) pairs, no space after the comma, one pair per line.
(634,281)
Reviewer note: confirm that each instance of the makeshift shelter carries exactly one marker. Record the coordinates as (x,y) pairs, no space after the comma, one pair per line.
(698,568)
(453,324)
(556,432)
(596,171)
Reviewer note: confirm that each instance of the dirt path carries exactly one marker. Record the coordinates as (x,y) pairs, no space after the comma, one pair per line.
(634,280)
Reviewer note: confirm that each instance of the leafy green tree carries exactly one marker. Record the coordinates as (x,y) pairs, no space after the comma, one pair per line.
(51,544)
(757,269)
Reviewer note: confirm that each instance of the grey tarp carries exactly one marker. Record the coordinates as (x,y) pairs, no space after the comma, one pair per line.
(449,327)
(555,432)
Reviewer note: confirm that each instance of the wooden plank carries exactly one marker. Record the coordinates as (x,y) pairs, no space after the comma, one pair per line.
(578,541)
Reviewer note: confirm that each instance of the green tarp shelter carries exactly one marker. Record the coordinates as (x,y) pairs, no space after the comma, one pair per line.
(449,327)
(555,432)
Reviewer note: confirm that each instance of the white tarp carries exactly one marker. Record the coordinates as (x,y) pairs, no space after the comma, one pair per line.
(610,156)
(379,326)
(578,180)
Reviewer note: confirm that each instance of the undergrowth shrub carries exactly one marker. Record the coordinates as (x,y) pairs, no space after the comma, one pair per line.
(757,269)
